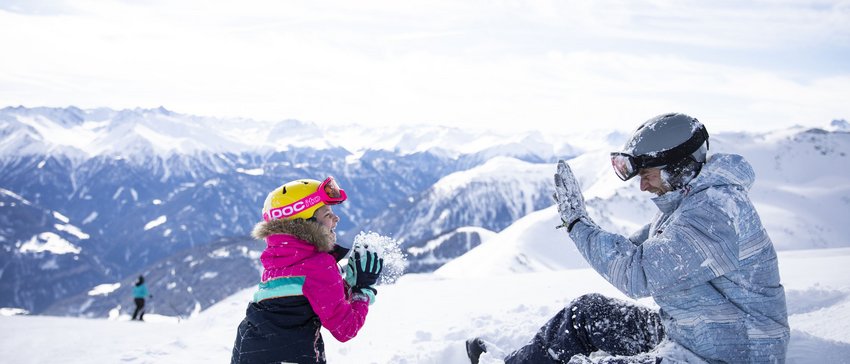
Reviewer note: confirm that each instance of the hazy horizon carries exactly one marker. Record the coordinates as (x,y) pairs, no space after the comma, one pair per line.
(533,65)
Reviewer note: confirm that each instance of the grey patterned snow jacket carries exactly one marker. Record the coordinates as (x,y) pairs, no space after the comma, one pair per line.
(707,261)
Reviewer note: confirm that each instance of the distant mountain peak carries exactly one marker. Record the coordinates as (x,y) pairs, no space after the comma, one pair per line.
(840,125)
(163,132)
(493,170)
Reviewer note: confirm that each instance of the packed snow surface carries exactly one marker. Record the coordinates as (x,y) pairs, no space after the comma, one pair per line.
(425,318)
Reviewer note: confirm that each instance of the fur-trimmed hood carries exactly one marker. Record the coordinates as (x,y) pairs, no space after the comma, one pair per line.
(312,232)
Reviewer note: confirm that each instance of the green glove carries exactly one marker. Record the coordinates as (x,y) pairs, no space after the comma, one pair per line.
(367,270)
(348,273)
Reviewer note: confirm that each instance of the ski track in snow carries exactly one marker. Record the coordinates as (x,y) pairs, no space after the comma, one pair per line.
(425,318)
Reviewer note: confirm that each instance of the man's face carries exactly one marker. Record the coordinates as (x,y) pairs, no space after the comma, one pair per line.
(650,180)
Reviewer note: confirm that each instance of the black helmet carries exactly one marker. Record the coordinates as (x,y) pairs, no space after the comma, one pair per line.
(676,143)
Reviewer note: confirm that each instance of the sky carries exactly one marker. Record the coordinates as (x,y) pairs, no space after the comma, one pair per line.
(497,65)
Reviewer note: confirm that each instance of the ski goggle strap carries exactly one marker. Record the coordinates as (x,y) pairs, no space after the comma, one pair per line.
(627,166)
(328,193)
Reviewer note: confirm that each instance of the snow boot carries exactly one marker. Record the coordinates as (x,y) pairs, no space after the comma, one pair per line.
(474,348)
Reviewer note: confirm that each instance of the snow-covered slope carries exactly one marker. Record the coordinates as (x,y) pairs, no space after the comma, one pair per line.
(491,195)
(44,257)
(425,319)
(529,245)
(182,285)
(802,187)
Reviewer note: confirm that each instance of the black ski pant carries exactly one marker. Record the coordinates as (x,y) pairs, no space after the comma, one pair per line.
(140,308)
(594,322)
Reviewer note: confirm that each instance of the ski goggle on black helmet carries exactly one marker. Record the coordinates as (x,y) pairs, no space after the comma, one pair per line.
(661,141)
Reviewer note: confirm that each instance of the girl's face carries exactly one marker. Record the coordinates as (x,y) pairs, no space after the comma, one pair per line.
(325,216)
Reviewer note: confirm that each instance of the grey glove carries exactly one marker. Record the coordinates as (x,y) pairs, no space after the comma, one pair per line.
(568,195)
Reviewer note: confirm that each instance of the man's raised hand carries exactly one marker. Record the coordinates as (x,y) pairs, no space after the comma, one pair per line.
(568,195)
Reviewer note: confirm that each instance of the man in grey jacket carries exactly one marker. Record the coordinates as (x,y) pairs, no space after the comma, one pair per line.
(705,259)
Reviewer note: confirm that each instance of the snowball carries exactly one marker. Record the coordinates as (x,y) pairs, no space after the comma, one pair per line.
(387,248)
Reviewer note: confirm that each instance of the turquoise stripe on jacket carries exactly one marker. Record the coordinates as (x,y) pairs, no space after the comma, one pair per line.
(279,287)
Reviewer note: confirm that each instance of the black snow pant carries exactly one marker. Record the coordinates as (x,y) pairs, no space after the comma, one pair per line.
(590,323)
(140,308)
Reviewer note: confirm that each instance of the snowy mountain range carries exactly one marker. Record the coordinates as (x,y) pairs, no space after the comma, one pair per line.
(146,184)
(174,196)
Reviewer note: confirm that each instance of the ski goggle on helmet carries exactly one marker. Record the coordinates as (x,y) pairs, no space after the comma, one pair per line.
(301,198)
(664,140)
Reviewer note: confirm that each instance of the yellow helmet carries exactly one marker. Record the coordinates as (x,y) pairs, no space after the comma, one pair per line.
(301,198)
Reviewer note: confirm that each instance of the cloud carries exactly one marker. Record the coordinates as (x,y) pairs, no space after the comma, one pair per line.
(29,7)
(502,64)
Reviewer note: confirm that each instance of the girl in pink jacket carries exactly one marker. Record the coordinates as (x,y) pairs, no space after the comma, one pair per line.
(302,288)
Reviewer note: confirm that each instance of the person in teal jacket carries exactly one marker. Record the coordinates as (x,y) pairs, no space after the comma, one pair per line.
(140,292)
